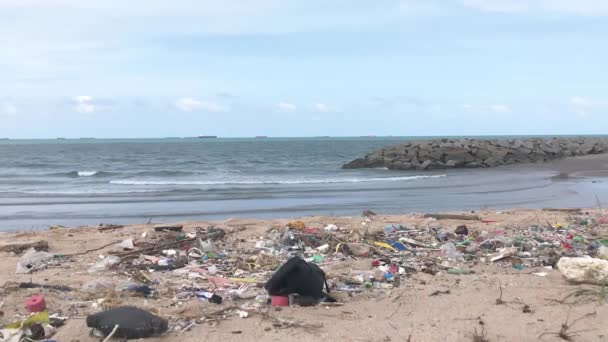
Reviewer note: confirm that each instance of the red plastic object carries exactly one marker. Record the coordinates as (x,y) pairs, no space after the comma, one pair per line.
(567,245)
(313,231)
(279,301)
(35,303)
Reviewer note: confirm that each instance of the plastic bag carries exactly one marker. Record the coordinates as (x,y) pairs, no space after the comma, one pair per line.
(449,250)
(98,285)
(297,276)
(104,264)
(32,259)
(133,323)
(37,318)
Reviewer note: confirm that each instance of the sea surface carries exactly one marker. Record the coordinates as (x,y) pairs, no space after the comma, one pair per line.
(92,181)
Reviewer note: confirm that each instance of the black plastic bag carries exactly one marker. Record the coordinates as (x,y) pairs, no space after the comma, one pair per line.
(132,323)
(297,276)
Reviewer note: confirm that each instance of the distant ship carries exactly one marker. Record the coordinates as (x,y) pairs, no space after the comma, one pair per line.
(261,137)
(207,136)
(60,138)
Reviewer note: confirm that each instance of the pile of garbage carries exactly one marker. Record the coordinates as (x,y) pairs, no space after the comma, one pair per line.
(296,264)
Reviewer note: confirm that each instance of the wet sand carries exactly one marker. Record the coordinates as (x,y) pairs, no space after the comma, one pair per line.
(584,166)
(410,312)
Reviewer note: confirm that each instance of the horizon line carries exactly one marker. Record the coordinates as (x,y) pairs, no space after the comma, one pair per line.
(261,137)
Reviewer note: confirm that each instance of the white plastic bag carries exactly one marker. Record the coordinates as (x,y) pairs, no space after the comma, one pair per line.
(31,259)
(104,264)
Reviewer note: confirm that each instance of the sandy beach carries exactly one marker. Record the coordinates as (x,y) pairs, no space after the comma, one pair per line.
(278,171)
(423,306)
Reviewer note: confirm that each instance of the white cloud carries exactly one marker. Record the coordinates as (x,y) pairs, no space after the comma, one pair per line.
(189,104)
(503,6)
(322,108)
(499,108)
(8,109)
(286,107)
(84,104)
(583,105)
(581,101)
(494,108)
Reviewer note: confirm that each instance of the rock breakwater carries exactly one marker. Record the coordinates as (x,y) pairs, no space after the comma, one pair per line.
(477,153)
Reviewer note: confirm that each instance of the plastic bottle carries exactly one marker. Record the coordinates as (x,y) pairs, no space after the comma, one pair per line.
(262,300)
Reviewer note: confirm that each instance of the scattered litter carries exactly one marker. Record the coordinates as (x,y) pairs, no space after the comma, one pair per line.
(207,269)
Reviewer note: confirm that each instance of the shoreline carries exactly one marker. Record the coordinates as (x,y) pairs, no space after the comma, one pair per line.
(413,307)
(571,182)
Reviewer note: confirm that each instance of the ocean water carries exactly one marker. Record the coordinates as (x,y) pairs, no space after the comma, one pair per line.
(92,181)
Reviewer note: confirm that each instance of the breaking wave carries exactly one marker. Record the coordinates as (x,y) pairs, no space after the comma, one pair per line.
(86,173)
(283,182)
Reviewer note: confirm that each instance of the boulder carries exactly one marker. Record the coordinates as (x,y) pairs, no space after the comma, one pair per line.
(584,270)
(459,155)
(401,166)
(358,163)
(454,153)
(491,162)
(454,163)
(425,165)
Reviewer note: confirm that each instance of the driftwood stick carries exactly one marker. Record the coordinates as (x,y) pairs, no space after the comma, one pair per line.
(94,249)
(566,210)
(453,217)
(22,247)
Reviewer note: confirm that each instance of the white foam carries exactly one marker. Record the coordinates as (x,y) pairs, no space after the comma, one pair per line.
(284,182)
(87,173)
(84,192)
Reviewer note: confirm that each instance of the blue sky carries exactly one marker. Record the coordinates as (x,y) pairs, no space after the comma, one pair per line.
(152,68)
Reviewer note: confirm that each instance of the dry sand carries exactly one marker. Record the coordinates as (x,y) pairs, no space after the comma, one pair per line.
(406,313)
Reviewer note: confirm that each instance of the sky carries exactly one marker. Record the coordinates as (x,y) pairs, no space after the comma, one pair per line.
(235,68)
